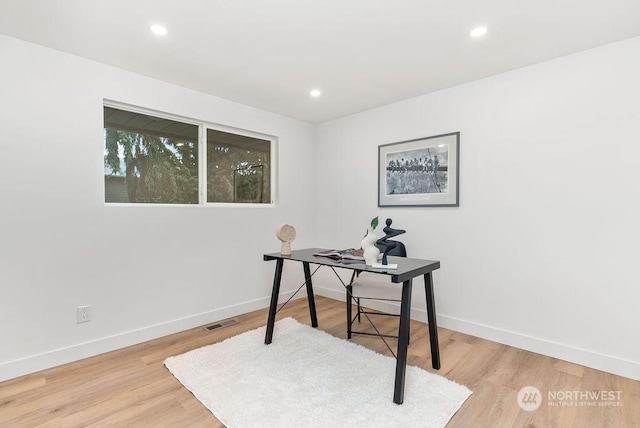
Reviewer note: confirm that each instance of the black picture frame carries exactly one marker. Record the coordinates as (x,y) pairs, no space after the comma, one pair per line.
(423,172)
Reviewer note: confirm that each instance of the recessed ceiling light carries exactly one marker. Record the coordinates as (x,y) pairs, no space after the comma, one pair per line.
(315,93)
(478,32)
(159,30)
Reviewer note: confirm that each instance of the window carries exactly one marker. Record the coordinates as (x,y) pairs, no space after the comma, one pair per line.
(238,168)
(154,160)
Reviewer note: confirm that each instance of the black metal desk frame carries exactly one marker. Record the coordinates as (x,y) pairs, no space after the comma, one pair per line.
(406,271)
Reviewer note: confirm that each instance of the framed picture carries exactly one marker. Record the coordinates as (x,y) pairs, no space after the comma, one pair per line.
(420,173)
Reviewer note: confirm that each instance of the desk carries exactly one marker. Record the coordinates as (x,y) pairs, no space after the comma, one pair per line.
(406,271)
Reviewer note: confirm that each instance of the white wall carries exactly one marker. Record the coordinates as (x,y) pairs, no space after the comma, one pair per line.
(542,252)
(146,271)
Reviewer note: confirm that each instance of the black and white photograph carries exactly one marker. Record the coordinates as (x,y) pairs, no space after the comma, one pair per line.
(420,172)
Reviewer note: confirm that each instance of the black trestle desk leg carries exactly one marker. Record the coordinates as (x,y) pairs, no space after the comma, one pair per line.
(349,303)
(277,277)
(431,317)
(312,300)
(403,342)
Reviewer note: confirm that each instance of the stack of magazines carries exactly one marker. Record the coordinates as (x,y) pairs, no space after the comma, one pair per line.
(350,255)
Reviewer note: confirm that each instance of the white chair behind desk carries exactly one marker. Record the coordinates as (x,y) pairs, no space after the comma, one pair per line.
(373,286)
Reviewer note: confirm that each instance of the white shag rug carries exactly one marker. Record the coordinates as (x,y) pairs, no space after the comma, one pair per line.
(308,378)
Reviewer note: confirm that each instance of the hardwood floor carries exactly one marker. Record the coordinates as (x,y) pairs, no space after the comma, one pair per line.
(131,386)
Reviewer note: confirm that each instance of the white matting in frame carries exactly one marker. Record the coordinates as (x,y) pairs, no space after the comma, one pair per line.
(420,173)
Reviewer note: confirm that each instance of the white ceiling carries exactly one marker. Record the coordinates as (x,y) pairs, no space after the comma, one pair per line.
(360,53)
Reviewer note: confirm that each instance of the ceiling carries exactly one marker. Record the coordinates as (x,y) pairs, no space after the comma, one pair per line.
(360,53)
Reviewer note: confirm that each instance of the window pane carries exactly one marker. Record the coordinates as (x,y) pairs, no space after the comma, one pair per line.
(149,159)
(238,168)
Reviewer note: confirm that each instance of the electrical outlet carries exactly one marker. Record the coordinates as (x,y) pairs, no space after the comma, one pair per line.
(84,313)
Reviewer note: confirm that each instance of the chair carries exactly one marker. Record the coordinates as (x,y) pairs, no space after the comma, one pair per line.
(366,285)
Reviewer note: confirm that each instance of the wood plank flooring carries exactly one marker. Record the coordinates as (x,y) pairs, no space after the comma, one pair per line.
(132,388)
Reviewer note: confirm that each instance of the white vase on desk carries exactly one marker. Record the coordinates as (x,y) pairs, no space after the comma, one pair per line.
(369,249)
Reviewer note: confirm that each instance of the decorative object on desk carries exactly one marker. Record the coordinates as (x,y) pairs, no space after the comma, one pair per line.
(424,172)
(310,378)
(285,233)
(388,246)
(368,243)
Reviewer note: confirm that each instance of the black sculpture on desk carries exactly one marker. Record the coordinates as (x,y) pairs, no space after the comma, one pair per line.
(388,246)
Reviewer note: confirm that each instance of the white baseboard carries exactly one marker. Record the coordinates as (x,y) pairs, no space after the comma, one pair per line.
(45,360)
(584,357)
(35,363)
(588,358)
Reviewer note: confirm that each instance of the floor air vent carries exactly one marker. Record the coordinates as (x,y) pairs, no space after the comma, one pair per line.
(225,323)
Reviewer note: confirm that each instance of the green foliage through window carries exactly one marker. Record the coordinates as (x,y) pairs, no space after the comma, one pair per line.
(238,168)
(148,159)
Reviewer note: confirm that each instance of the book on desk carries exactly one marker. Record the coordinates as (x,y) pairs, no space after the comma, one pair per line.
(350,255)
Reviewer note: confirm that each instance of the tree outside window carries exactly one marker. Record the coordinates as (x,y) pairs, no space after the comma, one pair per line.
(153,160)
